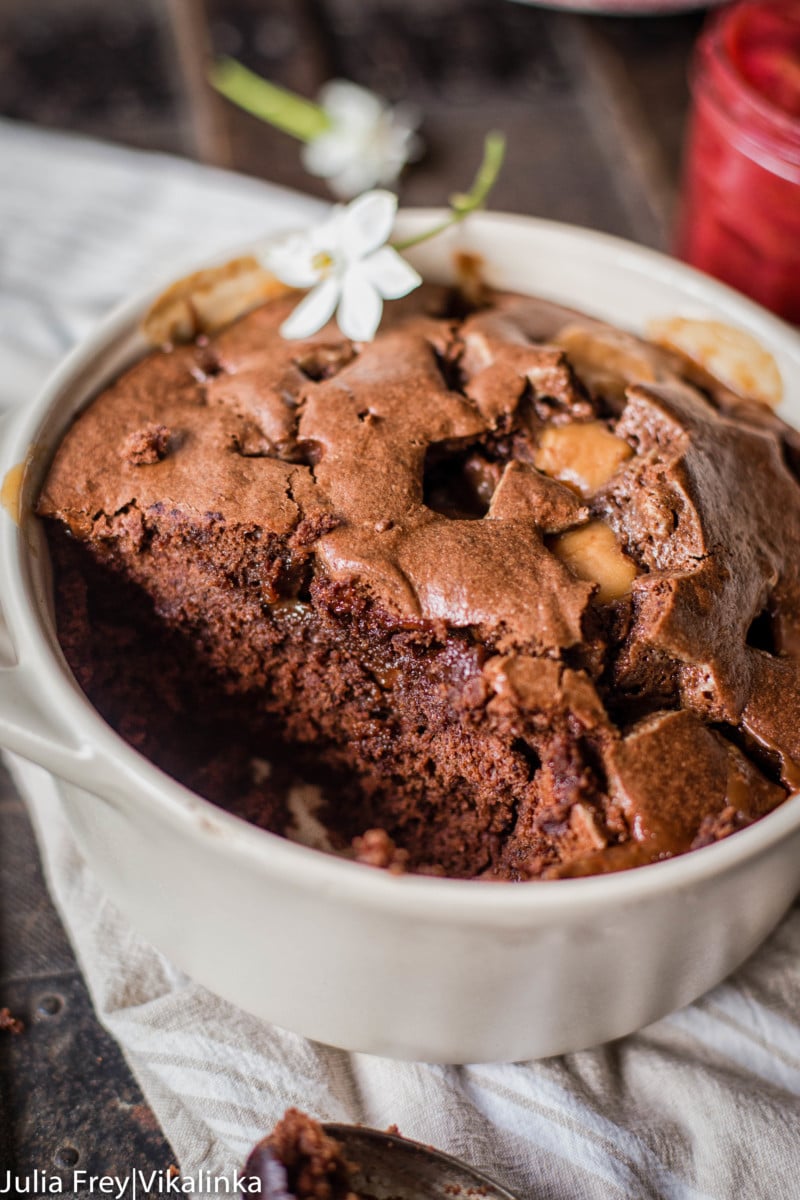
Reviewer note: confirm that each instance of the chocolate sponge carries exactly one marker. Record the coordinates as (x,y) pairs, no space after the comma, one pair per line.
(522,591)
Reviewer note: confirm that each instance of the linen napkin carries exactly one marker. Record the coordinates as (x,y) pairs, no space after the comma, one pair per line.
(704,1104)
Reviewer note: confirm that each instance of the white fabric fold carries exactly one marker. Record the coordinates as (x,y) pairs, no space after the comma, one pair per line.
(704,1105)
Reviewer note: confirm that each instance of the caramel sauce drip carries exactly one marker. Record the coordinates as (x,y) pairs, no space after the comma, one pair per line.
(11,491)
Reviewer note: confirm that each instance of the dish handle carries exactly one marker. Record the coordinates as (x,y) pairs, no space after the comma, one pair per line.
(27,727)
(29,724)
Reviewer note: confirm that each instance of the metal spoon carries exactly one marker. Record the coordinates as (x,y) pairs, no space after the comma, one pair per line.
(393,1168)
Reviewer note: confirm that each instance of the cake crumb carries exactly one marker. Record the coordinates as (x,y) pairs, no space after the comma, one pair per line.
(715,826)
(376,849)
(12,1024)
(146,446)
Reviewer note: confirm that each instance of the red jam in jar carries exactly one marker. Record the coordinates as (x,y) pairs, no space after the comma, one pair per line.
(740,208)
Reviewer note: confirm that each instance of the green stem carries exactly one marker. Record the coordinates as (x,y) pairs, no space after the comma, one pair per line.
(276,105)
(463,203)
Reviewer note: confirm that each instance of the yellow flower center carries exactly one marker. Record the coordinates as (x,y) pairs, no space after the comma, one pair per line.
(322,262)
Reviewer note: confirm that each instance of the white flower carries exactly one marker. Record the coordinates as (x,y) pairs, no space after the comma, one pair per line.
(346,263)
(367,143)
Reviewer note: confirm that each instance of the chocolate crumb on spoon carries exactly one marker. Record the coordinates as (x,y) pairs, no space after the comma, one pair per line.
(304,1160)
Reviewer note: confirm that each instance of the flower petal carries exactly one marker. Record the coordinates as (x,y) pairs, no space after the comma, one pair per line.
(291,261)
(327,236)
(390,274)
(313,311)
(360,308)
(329,153)
(367,223)
(397,145)
(349,105)
(359,174)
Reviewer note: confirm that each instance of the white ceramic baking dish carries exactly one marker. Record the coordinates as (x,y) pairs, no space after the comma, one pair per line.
(411,967)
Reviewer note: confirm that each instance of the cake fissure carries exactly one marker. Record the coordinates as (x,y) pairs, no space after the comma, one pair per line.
(521,590)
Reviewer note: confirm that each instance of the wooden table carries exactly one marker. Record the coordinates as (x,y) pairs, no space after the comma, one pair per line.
(594,111)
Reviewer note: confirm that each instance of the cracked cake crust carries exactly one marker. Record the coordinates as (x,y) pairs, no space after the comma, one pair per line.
(522,587)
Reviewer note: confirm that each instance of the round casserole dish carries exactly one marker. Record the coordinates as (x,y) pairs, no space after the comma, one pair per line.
(411,967)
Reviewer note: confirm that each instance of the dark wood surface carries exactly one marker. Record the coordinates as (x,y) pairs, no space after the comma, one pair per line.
(594,110)
(67,1098)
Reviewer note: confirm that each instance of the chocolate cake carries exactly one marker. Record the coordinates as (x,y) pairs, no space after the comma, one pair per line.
(520,591)
(298,1161)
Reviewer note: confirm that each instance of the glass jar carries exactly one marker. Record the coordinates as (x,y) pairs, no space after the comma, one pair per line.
(740,207)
